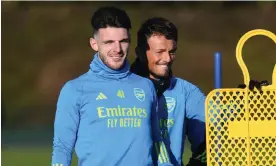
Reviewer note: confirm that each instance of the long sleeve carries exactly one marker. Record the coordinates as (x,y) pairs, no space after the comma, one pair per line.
(65,126)
(195,114)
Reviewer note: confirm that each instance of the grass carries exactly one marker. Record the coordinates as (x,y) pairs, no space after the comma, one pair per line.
(33,148)
(40,156)
(36,156)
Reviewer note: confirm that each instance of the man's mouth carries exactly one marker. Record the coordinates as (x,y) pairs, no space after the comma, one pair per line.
(117,57)
(163,66)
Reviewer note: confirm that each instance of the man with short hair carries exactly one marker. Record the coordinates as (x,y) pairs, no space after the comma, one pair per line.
(181,103)
(108,113)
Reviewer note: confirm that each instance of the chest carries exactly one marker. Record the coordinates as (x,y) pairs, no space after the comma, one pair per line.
(116,105)
(171,110)
(171,105)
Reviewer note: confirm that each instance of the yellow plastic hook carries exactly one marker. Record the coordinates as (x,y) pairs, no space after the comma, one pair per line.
(239,58)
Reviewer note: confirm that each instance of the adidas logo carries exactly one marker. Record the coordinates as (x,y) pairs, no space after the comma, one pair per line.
(101,96)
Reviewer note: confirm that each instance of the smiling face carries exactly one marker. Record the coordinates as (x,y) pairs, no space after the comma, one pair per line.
(112,45)
(160,55)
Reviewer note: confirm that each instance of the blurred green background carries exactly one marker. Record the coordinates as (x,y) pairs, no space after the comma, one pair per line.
(45,44)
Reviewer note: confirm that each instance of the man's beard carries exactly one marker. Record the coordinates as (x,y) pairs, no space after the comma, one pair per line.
(105,61)
(169,75)
(161,83)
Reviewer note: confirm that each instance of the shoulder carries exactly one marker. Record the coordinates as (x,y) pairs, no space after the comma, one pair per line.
(74,85)
(143,83)
(185,86)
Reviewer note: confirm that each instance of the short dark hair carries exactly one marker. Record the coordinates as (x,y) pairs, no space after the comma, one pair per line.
(110,17)
(155,26)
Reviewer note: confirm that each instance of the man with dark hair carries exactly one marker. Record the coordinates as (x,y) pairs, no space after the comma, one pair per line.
(181,104)
(108,113)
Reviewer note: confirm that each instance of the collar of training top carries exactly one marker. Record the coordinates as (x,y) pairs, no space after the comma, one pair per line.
(100,69)
(161,85)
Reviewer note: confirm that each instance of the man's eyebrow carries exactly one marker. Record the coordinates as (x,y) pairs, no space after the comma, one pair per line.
(125,40)
(160,49)
(111,41)
(108,41)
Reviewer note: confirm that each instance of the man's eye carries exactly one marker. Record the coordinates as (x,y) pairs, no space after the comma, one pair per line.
(108,42)
(125,41)
(173,52)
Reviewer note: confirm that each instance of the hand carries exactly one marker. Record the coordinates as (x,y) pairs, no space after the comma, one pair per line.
(254,83)
(199,157)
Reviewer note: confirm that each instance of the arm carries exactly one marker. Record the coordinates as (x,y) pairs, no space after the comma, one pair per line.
(65,126)
(159,148)
(195,114)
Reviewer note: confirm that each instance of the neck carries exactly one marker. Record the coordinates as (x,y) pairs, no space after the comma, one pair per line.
(99,68)
(104,62)
(154,77)
(161,84)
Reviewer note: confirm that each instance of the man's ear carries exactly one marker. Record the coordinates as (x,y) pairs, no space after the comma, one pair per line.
(93,44)
(141,54)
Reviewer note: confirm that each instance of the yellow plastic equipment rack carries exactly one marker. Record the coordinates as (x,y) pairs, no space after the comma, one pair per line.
(241,124)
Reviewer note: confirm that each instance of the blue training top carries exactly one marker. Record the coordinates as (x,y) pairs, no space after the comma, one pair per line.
(181,113)
(107,116)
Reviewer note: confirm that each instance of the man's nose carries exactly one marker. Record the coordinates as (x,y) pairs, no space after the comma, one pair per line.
(167,57)
(117,46)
